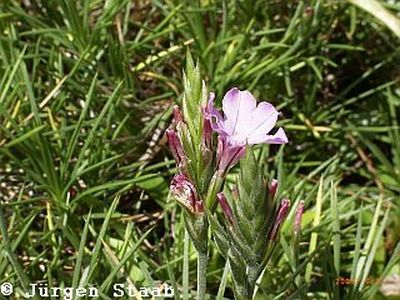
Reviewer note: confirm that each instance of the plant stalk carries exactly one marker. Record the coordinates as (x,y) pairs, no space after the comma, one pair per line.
(185,277)
(202,261)
(242,293)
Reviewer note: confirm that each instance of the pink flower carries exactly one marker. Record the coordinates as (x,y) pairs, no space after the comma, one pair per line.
(243,122)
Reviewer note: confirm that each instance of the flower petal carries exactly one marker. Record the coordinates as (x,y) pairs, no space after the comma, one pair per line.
(244,121)
(238,106)
(211,110)
(278,138)
(228,154)
(263,119)
(230,107)
(211,113)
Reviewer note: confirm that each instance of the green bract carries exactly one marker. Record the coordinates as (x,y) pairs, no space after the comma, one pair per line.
(244,238)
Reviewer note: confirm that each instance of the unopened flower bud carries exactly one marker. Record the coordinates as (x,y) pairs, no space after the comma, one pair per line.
(235,192)
(177,114)
(184,191)
(175,146)
(283,210)
(273,186)
(199,206)
(297,218)
(227,210)
(208,111)
(207,133)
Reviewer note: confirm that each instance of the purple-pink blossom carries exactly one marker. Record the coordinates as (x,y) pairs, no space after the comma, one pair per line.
(243,122)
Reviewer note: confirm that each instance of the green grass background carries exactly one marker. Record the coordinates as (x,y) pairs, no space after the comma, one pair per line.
(86,93)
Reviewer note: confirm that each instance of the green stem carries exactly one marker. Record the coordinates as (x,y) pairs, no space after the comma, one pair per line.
(253,274)
(245,288)
(224,279)
(296,258)
(202,260)
(185,277)
(242,293)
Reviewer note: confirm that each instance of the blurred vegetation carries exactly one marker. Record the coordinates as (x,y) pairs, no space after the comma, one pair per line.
(86,93)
